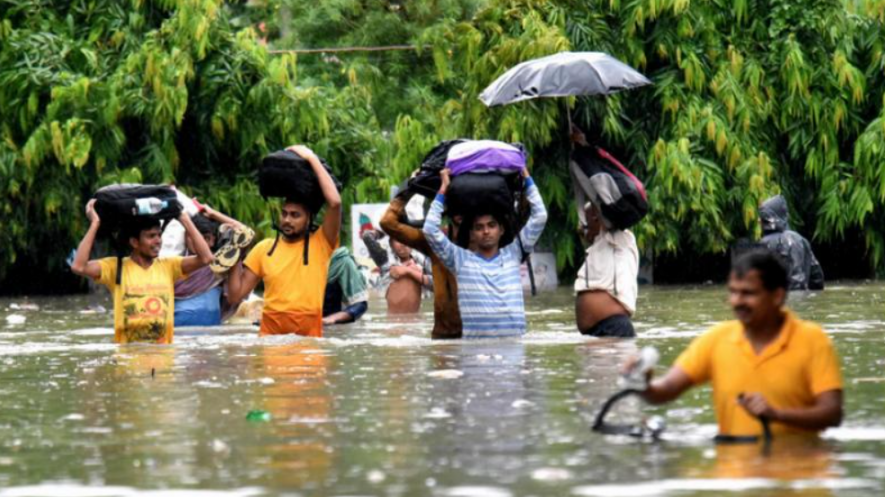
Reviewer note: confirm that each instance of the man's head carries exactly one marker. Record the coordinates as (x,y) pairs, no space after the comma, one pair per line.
(486,231)
(401,251)
(208,229)
(774,215)
(757,287)
(294,219)
(145,239)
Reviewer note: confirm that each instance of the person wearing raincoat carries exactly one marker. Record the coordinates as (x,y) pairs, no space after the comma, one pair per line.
(805,272)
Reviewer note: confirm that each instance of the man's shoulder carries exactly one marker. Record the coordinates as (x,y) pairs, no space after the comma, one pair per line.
(808,330)
(262,245)
(723,330)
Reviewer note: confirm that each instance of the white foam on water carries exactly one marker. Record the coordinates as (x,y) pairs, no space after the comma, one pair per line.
(92,332)
(447,374)
(679,486)
(39,348)
(551,474)
(852,433)
(853,326)
(477,491)
(76,490)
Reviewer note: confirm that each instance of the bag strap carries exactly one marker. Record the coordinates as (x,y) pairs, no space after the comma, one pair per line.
(527,258)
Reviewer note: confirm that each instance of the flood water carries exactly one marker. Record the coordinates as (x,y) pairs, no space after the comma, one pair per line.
(377,409)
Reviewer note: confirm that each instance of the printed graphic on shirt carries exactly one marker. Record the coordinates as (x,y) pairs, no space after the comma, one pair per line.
(145,312)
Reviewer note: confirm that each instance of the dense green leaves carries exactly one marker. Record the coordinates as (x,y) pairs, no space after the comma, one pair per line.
(750,98)
(97,91)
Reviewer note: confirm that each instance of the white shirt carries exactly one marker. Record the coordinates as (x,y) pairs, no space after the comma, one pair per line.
(612,265)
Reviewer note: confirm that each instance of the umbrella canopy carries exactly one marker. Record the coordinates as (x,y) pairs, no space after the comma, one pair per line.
(562,75)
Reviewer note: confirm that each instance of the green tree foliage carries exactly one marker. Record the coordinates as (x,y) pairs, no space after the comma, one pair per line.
(99,91)
(750,98)
(400,80)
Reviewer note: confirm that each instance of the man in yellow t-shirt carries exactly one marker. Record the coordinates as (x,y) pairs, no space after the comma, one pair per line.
(768,364)
(293,290)
(144,301)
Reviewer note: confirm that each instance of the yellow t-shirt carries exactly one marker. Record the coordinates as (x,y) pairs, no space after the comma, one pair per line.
(293,292)
(144,303)
(790,372)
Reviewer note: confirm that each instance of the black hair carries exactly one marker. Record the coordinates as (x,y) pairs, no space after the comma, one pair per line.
(205,225)
(134,228)
(772,269)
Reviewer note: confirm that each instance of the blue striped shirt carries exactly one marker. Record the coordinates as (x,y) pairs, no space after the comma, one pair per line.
(489,290)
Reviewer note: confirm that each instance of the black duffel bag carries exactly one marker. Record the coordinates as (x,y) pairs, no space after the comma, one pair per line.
(603,180)
(481,193)
(287,175)
(427,182)
(117,207)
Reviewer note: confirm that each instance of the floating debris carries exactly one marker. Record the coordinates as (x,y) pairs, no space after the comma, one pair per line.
(258,416)
(14,319)
(446,374)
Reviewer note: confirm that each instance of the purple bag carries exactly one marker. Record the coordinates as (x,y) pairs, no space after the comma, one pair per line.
(477,156)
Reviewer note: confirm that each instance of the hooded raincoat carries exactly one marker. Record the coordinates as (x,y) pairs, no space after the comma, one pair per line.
(805,271)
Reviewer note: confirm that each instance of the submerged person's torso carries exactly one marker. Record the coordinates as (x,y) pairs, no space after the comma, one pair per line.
(293,291)
(490,296)
(144,302)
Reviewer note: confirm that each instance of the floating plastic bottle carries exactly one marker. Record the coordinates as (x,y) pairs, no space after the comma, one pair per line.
(148,206)
(636,378)
(257,416)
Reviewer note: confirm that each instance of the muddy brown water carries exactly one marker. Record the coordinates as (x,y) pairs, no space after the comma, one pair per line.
(377,409)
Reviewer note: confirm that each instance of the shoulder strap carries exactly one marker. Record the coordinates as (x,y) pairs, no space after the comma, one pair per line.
(527,258)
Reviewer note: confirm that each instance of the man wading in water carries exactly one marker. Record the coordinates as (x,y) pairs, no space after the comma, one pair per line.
(768,364)
(446,316)
(293,290)
(489,285)
(606,285)
(144,301)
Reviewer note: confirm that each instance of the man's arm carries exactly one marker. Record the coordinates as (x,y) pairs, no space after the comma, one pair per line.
(332,220)
(376,251)
(668,388)
(82,266)
(532,230)
(221,218)
(400,231)
(826,411)
(450,254)
(240,283)
(204,255)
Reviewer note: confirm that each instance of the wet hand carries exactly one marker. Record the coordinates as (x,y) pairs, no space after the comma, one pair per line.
(632,363)
(756,405)
(304,152)
(91,215)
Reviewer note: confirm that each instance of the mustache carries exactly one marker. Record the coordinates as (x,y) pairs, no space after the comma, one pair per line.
(741,308)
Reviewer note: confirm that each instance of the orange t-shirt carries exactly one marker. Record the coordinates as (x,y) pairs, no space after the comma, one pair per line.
(790,372)
(144,302)
(293,292)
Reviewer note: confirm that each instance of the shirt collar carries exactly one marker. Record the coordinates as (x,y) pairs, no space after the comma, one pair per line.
(773,348)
